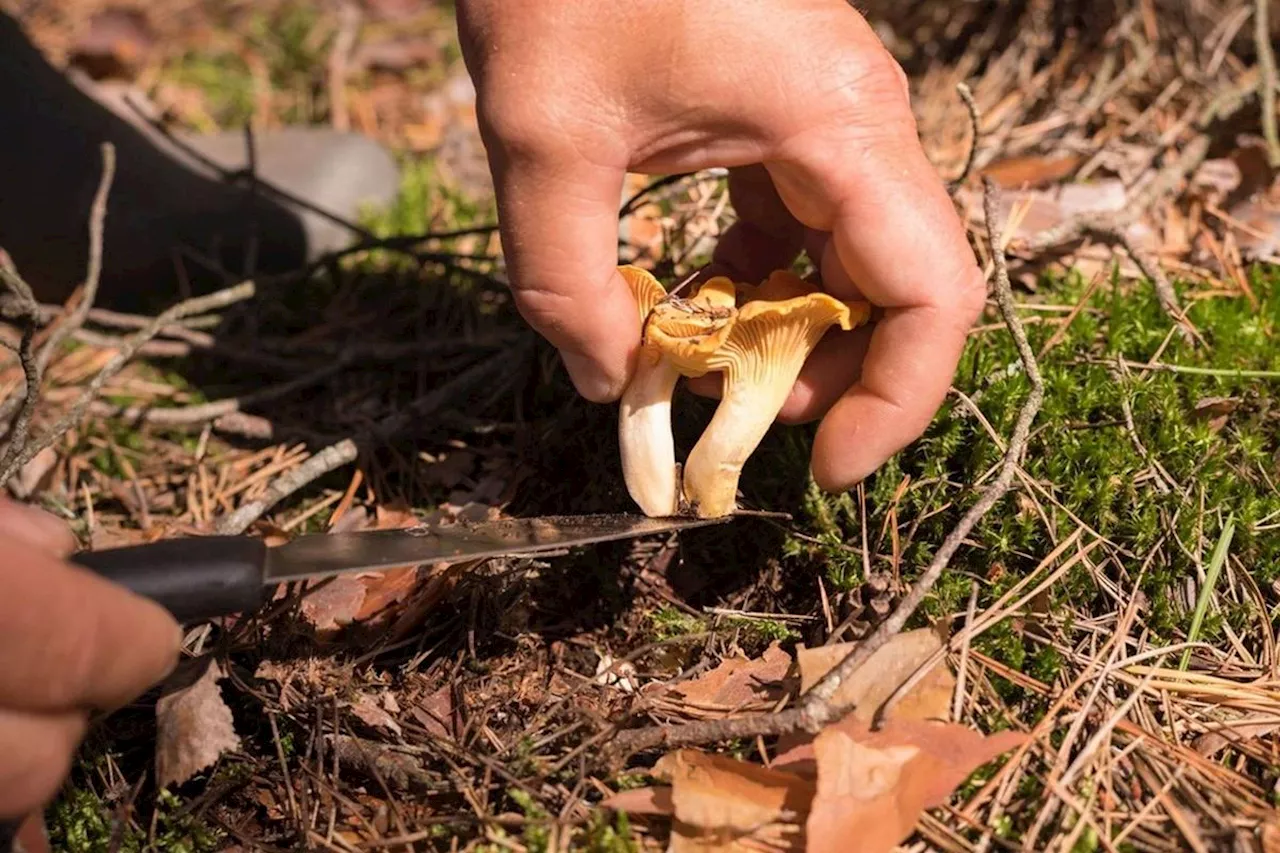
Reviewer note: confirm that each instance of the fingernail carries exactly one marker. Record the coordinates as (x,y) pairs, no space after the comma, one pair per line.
(36,527)
(591,382)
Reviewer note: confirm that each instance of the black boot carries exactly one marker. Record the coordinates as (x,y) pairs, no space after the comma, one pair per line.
(168,209)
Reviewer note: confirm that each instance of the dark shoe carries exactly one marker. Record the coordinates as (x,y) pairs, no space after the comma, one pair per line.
(168,210)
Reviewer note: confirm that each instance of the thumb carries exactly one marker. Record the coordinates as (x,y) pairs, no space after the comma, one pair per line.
(558,215)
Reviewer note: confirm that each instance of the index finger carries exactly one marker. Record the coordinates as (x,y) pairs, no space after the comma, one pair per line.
(896,240)
(71,640)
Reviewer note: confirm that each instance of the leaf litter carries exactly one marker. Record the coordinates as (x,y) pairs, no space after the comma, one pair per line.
(1076,117)
(852,788)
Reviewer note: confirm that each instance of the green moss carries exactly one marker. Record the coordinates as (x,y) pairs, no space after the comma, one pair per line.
(80,821)
(1084,456)
(671,622)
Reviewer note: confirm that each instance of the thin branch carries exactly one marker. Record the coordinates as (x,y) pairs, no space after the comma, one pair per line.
(93,274)
(816,708)
(818,701)
(20,304)
(1267,79)
(198,305)
(975,120)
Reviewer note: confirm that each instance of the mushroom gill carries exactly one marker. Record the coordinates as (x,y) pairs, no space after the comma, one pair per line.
(761,356)
(691,330)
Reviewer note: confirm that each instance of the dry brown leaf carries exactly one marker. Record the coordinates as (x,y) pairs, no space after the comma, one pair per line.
(372,712)
(873,786)
(726,805)
(655,800)
(435,712)
(1270,835)
(1211,743)
(194,727)
(1014,173)
(32,476)
(883,673)
(738,681)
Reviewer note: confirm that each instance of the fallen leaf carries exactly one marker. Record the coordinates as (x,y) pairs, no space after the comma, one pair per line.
(1271,837)
(655,800)
(883,673)
(1211,743)
(1035,171)
(31,477)
(738,682)
(873,786)
(368,710)
(194,727)
(722,804)
(435,712)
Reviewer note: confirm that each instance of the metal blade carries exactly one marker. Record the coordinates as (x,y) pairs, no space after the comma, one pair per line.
(329,554)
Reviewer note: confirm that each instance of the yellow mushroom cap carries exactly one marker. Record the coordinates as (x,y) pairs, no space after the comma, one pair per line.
(646,289)
(762,355)
(689,332)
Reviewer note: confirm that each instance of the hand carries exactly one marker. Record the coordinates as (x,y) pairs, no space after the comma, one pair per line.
(811,114)
(70,643)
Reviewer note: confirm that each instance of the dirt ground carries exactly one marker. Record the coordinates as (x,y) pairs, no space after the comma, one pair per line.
(1101,644)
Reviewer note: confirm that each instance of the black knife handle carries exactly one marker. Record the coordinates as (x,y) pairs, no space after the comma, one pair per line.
(201,577)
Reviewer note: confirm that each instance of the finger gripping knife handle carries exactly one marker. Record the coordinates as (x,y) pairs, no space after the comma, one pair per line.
(193,578)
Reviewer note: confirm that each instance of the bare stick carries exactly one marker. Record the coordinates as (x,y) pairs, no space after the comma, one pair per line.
(93,275)
(130,347)
(816,708)
(1267,79)
(975,120)
(21,305)
(818,700)
(331,458)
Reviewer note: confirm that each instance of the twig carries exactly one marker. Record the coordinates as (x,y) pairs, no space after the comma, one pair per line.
(816,708)
(1267,79)
(21,305)
(330,459)
(975,119)
(198,305)
(93,274)
(817,702)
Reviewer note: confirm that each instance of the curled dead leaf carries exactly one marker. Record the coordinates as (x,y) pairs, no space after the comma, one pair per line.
(872,787)
(738,682)
(723,804)
(194,727)
(884,672)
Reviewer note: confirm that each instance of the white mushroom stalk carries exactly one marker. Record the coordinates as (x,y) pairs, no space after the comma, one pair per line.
(762,355)
(645,440)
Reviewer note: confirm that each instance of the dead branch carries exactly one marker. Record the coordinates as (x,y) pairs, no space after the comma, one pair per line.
(1112,227)
(130,347)
(19,304)
(97,226)
(816,708)
(975,121)
(1267,79)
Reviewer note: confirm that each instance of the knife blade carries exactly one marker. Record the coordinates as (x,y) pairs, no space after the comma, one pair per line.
(204,577)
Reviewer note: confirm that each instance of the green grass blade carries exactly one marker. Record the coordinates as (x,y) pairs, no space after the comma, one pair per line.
(1216,562)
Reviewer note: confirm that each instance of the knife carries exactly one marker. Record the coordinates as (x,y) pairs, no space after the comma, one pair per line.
(204,577)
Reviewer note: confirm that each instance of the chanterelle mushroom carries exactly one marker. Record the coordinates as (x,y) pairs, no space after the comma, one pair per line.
(761,356)
(687,327)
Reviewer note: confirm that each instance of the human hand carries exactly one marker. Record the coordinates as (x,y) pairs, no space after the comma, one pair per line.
(70,643)
(811,114)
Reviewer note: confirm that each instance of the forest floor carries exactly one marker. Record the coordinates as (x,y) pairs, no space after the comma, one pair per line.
(1114,614)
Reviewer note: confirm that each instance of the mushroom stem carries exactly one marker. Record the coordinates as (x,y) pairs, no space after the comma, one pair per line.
(748,406)
(644,436)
